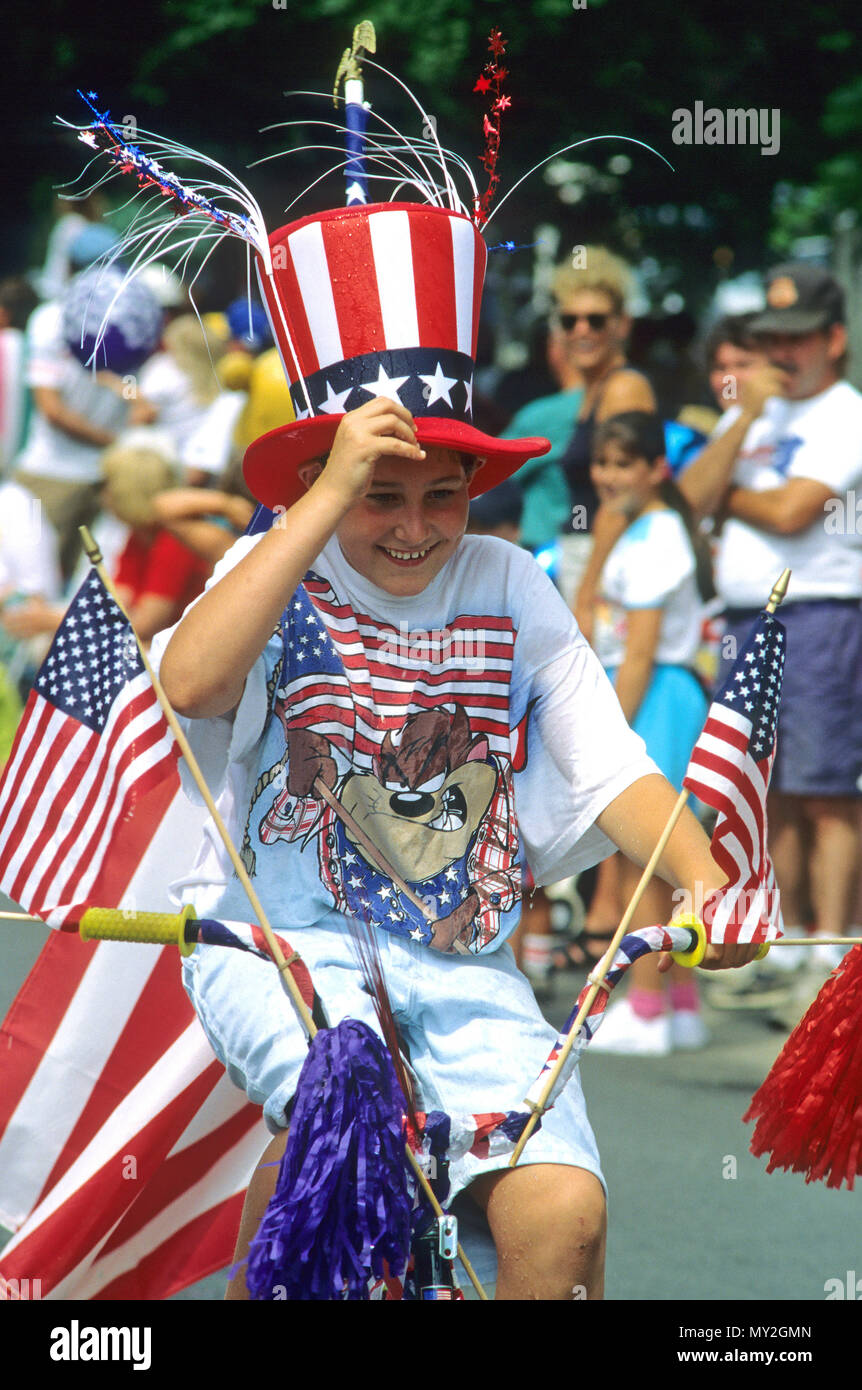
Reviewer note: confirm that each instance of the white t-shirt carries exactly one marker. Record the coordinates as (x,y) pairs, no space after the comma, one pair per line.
(28,545)
(470,727)
(48,451)
(13,396)
(652,565)
(821,439)
(166,386)
(208,447)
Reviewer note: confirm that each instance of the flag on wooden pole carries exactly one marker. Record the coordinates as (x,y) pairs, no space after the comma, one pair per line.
(730,770)
(92,770)
(124,1149)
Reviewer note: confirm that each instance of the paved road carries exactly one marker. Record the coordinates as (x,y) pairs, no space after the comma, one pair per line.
(692,1214)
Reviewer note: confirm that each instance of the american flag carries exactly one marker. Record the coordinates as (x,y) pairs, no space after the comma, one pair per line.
(92,769)
(730,769)
(124,1149)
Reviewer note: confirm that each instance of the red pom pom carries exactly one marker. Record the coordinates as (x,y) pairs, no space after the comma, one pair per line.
(809,1108)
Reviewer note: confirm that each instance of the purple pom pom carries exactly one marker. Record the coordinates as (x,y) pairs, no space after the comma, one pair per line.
(343,1201)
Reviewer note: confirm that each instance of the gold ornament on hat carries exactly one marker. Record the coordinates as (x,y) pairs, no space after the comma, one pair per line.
(782,293)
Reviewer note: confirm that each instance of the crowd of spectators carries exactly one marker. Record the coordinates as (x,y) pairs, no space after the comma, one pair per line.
(123,409)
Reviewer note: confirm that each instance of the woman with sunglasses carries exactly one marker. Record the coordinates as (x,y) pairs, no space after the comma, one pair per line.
(593,326)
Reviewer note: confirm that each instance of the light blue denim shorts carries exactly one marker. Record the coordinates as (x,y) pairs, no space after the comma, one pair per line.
(474,1033)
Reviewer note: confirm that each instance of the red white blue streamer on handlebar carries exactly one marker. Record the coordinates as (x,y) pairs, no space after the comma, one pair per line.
(631,948)
(482,1134)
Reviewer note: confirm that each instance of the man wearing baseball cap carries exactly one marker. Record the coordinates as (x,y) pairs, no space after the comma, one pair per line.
(781,473)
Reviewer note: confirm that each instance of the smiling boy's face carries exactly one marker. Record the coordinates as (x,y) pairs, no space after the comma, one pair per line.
(401,533)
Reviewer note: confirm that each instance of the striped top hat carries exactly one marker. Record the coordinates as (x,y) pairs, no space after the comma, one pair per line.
(377,300)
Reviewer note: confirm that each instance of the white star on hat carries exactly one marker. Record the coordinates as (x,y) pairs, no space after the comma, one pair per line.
(439,386)
(388,386)
(334,403)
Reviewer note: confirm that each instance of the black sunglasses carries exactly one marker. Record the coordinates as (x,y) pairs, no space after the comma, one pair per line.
(596,321)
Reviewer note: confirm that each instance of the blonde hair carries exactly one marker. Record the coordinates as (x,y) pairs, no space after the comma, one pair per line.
(602,271)
(195,349)
(135,475)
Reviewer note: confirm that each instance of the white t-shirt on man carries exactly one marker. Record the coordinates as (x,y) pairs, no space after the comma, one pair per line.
(820,439)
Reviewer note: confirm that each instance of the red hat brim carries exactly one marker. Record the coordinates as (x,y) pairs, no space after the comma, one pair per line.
(271,462)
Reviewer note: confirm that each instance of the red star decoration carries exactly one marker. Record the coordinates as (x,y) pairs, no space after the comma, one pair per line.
(482,85)
(501,103)
(496,42)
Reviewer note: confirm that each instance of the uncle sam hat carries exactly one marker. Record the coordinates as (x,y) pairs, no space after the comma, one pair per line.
(377,300)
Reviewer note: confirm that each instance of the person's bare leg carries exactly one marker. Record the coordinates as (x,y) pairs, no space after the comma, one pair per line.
(834,862)
(532,939)
(260,1189)
(549,1226)
(605,907)
(789,853)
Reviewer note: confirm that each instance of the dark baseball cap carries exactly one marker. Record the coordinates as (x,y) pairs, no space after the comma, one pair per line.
(799,299)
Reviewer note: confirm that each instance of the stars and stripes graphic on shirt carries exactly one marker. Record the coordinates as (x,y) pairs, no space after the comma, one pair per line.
(355,679)
(92,746)
(730,770)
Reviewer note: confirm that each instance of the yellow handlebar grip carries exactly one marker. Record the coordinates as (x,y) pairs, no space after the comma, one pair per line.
(158,928)
(762,950)
(695,954)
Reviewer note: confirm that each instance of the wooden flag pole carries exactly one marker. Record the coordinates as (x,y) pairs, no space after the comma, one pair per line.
(596,978)
(95,557)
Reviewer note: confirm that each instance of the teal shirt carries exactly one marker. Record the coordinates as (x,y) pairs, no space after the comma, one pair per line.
(546,492)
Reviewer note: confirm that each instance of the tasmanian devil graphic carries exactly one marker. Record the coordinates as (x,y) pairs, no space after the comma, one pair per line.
(436,807)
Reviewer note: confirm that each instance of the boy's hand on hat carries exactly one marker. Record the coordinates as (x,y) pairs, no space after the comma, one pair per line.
(377,429)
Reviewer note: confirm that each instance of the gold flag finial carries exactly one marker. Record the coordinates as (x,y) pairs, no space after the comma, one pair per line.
(349,67)
(778,593)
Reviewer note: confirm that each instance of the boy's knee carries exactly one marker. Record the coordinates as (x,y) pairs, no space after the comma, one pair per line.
(574,1222)
(549,1224)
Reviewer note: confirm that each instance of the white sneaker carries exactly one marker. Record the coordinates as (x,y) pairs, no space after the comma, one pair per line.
(688,1030)
(623,1032)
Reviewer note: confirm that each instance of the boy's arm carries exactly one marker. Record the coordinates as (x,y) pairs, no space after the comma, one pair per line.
(209,656)
(635,819)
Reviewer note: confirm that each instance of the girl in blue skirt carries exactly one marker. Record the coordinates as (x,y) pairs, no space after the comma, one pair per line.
(646,631)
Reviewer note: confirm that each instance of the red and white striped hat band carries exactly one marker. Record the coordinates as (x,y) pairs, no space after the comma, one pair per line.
(376,300)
